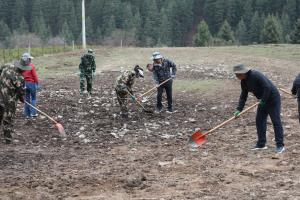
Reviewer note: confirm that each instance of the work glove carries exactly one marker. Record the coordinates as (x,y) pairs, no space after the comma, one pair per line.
(237,113)
(94,74)
(262,104)
(173,76)
(133,98)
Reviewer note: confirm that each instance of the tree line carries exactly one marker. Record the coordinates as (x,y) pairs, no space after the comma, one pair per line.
(150,23)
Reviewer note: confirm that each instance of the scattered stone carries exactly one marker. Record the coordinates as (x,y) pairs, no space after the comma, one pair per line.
(81,136)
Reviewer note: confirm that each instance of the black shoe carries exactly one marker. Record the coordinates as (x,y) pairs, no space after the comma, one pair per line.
(124,115)
(258,147)
(170,111)
(8,140)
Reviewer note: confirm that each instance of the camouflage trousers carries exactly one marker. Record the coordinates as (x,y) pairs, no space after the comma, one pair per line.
(123,101)
(7,119)
(89,82)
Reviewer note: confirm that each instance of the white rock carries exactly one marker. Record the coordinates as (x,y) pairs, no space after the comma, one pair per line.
(86,140)
(82,128)
(214,108)
(81,136)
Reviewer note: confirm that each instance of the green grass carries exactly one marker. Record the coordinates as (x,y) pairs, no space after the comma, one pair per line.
(197,85)
(115,58)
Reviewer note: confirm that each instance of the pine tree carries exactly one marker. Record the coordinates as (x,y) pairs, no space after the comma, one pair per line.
(23,27)
(271,32)
(41,29)
(291,9)
(255,29)
(296,33)
(98,35)
(203,36)
(111,26)
(241,32)
(286,27)
(66,33)
(4,33)
(165,30)
(16,17)
(214,14)
(89,30)
(226,33)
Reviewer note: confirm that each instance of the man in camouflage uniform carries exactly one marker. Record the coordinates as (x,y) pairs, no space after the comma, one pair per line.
(87,69)
(124,86)
(12,89)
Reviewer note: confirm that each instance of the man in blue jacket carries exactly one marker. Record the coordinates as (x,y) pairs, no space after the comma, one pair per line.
(163,69)
(270,104)
(296,91)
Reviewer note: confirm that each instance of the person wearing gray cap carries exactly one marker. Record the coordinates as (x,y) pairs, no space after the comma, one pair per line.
(163,69)
(270,104)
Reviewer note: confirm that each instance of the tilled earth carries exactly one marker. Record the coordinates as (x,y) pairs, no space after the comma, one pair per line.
(147,156)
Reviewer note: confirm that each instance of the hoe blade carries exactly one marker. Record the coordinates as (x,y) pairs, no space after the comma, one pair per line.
(197,139)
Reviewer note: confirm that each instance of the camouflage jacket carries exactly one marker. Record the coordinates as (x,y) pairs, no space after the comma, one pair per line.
(12,86)
(87,64)
(125,81)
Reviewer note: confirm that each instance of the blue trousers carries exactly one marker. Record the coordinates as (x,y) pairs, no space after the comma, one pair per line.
(271,109)
(30,97)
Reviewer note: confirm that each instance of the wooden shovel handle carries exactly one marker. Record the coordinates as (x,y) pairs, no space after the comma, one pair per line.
(136,100)
(42,112)
(285,91)
(231,119)
(155,87)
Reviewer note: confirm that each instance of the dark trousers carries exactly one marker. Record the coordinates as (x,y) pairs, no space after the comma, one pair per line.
(273,110)
(168,87)
(299,108)
(6,119)
(89,82)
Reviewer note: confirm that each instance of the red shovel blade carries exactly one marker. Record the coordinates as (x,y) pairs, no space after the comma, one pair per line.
(197,139)
(61,130)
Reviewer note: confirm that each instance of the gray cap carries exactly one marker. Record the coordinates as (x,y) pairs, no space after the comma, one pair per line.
(27,56)
(240,69)
(156,55)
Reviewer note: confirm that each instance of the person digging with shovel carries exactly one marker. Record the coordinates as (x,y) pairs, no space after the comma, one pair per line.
(296,91)
(12,90)
(163,69)
(270,104)
(123,87)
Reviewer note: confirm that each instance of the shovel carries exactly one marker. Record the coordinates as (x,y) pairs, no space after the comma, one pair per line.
(155,87)
(139,103)
(285,91)
(198,138)
(59,127)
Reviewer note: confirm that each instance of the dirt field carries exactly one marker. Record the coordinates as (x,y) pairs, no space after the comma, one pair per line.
(148,157)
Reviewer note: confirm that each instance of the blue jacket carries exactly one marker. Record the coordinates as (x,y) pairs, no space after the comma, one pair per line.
(164,71)
(260,86)
(296,87)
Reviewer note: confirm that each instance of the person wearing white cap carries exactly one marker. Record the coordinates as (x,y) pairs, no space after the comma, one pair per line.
(270,104)
(163,69)
(32,84)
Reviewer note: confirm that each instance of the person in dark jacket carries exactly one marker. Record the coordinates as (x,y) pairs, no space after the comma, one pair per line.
(296,91)
(163,69)
(270,104)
